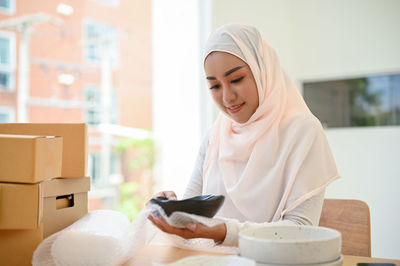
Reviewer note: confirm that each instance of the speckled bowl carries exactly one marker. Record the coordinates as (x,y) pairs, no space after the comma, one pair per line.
(290,244)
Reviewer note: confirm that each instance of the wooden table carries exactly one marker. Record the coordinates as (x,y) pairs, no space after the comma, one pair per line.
(168,254)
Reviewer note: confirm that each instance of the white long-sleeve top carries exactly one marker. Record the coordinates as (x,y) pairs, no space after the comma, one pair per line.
(307,213)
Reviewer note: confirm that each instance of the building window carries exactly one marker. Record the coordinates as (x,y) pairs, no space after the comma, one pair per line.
(7,7)
(92,97)
(358,102)
(99,39)
(7,114)
(93,110)
(7,61)
(94,167)
(114,112)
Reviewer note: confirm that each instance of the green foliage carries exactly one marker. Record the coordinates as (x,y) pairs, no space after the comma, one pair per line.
(130,200)
(361,100)
(145,147)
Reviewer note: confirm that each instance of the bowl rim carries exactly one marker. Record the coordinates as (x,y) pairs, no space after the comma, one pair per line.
(243,234)
(199,198)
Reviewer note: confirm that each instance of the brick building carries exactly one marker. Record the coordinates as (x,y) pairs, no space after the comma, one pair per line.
(89,61)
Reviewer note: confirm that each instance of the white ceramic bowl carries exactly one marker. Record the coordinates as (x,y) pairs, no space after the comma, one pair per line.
(290,244)
(338,262)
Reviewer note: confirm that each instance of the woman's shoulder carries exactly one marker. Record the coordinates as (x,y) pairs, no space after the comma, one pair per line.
(306,123)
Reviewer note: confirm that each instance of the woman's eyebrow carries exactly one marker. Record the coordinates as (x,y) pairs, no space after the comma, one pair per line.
(227,73)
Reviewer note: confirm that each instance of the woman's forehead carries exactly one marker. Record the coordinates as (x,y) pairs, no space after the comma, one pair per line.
(221,61)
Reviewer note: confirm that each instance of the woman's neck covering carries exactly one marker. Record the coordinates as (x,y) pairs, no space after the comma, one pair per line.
(278,158)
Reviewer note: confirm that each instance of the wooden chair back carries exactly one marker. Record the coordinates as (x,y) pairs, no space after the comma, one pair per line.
(352,219)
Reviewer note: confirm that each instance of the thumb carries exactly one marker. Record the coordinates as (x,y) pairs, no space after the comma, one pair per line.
(191,227)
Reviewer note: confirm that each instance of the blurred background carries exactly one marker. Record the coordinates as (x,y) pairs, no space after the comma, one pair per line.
(132,70)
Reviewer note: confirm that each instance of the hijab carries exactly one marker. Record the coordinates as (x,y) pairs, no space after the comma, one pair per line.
(280,157)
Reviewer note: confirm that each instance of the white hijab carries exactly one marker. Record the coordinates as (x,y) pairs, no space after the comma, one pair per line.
(277,159)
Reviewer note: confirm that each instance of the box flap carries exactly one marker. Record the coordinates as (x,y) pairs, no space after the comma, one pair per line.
(63,186)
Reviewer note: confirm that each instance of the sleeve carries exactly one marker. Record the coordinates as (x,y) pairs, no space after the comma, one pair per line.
(307,213)
(195,185)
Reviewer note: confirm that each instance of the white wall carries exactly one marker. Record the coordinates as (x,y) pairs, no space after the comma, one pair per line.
(338,38)
(368,160)
(319,40)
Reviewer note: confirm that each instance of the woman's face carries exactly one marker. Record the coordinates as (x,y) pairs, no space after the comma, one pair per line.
(232,85)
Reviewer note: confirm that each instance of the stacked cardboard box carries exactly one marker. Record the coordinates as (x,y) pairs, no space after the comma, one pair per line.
(43,187)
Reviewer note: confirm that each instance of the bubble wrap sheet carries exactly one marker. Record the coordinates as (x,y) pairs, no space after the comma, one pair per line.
(106,237)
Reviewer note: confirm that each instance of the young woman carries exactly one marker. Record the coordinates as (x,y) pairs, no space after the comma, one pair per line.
(266,153)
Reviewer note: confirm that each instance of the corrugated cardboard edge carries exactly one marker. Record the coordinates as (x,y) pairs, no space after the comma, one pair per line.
(40,211)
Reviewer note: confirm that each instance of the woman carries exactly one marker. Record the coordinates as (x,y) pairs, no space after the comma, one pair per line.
(266,153)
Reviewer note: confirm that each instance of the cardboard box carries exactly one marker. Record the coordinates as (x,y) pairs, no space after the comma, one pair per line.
(65,202)
(17,246)
(74,155)
(56,202)
(29,159)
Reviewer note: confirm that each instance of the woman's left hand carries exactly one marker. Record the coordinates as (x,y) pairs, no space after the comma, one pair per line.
(192,230)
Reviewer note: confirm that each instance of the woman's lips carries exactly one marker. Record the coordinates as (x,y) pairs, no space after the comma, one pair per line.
(235,108)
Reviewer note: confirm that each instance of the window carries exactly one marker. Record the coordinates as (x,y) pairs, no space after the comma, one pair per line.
(7,61)
(7,114)
(92,97)
(94,167)
(7,6)
(93,111)
(114,112)
(100,38)
(366,101)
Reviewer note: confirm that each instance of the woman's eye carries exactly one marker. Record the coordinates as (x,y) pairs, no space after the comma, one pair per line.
(237,80)
(214,87)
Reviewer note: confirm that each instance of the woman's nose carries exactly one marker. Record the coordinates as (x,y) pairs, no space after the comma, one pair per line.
(229,95)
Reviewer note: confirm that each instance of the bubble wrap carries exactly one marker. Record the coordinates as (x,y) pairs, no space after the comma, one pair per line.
(181,219)
(106,237)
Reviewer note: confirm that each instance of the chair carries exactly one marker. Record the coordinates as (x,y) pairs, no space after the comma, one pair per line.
(352,219)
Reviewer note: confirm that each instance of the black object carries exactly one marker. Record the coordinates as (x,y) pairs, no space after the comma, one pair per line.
(206,205)
(374,264)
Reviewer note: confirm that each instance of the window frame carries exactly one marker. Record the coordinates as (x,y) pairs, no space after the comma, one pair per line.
(95,106)
(11,68)
(10,111)
(115,60)
(114,116)
(9,11)
(328,78)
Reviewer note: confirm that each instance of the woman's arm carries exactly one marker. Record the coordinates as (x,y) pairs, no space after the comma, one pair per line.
(195,185)
(307,213)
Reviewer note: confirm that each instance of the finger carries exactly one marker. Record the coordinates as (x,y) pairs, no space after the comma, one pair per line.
(182,232)
(158,222)
(170,195)
(153,220)
(191,227)
(166,194)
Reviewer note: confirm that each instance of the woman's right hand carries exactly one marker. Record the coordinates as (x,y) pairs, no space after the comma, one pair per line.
(166,194)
